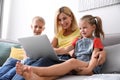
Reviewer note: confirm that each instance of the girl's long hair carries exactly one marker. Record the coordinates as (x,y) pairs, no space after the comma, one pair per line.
(95,20)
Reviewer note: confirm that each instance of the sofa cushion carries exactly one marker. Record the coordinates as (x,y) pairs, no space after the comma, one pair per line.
(5,48)
(17,53)
(111,39)
(112,64)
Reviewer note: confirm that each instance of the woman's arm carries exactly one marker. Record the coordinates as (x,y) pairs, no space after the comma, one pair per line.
(94,60)
(55,45)
(54,42)
(61,50)
(101,55)
(96,57)
(64,50)
(92,64)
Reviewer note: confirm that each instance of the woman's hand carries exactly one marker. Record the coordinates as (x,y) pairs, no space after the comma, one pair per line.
(84,71)
(101,56)
(60,50)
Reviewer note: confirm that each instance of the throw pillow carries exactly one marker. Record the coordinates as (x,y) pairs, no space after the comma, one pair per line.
(5,48)
(17,53)
(112,64)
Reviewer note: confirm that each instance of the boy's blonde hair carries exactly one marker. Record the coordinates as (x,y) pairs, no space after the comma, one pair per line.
(39,19)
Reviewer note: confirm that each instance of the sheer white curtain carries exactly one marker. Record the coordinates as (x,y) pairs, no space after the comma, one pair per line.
(1,11)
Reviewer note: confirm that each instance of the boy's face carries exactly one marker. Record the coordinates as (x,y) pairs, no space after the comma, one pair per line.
(37,27)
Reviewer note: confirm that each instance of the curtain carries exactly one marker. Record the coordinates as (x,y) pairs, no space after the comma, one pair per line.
(1,12)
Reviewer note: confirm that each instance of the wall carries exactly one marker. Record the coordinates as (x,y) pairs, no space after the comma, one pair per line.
(110,17)
(17,20)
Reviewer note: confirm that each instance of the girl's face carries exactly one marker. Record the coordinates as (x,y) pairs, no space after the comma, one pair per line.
(86,29)
(64,20)
(37,27)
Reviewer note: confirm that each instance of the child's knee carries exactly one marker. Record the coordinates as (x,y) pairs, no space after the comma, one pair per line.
(72,61)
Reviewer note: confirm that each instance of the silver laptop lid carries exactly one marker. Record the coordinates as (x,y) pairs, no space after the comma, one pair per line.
(38,46)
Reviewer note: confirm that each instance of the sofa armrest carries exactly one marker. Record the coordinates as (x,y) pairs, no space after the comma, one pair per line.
(5,49)
(111,39)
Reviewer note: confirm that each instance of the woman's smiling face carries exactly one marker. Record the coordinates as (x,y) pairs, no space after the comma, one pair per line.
(64,20)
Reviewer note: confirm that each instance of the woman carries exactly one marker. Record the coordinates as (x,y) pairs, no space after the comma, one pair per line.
(66,29)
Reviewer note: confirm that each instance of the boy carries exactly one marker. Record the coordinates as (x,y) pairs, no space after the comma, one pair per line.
(7,71)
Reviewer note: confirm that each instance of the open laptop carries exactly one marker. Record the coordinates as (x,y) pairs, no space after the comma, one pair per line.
(38,46)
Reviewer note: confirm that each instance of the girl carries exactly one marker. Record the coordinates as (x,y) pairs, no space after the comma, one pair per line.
(85,48)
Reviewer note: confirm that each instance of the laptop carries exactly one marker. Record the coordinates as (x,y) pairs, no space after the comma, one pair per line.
(38,46)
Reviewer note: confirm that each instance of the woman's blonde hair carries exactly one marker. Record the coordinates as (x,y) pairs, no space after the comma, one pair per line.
(67,11)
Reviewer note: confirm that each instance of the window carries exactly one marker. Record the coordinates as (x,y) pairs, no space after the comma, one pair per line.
(85,5)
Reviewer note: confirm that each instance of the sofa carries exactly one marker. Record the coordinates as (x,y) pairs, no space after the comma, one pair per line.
(111,68)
